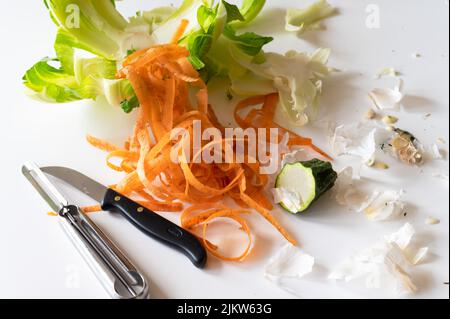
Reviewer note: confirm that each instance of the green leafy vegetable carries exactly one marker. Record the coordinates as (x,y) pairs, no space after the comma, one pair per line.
(130,104)
(250,43)
(206,18)
(148,21)
(69,77)
(211,44)
(131,51)
(301,20)
(188,10)
(233,13)
(92,26)
(53,83)
(296,76)
(250,10)
(117,92)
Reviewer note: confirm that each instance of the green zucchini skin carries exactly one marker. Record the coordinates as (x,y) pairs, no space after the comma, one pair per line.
(324,175)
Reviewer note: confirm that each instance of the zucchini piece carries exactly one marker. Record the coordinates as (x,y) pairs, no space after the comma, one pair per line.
(303,183)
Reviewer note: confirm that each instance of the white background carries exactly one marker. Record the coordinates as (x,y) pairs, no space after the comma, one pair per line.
(36,260)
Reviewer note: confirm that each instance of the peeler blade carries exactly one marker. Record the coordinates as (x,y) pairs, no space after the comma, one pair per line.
(44,187)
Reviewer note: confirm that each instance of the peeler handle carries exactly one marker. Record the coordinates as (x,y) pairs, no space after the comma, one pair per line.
(117,274)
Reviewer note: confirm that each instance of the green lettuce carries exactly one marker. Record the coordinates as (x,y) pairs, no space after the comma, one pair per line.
(90,46)
(96,27)
(210,44)
(250,10)
(296,76)
(148,21)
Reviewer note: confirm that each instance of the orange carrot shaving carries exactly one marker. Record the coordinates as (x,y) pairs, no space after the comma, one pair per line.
(204,214)
(91,209)
(52,214)
(163,174)
(244,227)
(101,144)
(264,118)
(179,33)
(124,154)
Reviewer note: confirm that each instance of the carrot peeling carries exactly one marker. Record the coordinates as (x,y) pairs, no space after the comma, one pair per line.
(264,118)
(179,33)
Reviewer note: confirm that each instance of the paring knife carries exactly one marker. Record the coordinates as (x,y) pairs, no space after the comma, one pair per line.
(147,221)
(120,278)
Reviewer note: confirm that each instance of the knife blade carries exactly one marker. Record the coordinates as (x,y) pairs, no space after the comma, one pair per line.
(144,219)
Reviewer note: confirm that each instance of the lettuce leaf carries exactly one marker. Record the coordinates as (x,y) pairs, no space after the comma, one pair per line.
(250,10)
(128,105)
(70,77)
(211,43)
(50,82)
(233,12)
(94,26)
(188,10)
(250,43)
(148,21)
(296,76)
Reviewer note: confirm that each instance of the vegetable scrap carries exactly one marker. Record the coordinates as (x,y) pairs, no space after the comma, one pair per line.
(385,265)
(387,99)
(310,18)
(289,262)
(376,205)
(387,72)
(432,221)
(406,147)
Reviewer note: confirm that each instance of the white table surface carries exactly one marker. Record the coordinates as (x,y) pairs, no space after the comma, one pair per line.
(37,261)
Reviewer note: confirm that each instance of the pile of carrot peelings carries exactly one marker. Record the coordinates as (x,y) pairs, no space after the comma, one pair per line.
(163,79)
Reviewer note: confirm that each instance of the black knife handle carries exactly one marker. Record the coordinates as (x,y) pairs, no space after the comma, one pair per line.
(156,227)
